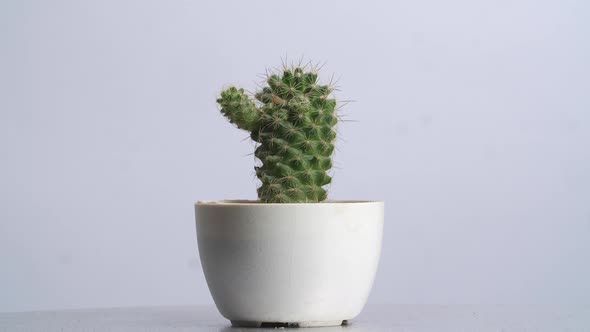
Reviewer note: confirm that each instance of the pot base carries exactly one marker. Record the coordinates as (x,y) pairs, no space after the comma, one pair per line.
(246,323)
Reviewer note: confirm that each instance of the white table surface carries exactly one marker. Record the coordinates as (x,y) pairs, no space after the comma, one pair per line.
(374,318)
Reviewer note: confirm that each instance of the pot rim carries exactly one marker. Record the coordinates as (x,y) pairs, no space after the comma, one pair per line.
(246,202)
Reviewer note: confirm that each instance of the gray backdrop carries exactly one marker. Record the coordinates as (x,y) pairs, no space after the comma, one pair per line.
(472,123)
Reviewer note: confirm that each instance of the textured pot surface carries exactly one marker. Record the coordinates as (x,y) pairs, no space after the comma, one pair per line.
(302,264)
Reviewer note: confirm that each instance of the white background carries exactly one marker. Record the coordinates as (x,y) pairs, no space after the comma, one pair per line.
(472,123)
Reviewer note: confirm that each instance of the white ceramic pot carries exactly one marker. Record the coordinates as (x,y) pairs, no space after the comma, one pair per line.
(289,264)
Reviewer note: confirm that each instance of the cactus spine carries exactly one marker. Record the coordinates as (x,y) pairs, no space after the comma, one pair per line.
(293,123)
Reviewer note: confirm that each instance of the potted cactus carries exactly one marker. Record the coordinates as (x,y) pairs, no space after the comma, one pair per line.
(291,258)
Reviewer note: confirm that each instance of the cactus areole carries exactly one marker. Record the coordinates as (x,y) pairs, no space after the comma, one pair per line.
(293,121)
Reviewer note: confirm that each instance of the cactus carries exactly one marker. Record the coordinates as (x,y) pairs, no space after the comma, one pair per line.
(293,122)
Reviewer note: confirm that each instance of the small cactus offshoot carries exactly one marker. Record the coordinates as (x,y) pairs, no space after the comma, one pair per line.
(293,121)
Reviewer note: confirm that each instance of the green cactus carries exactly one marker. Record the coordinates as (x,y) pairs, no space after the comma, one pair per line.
(294,126)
